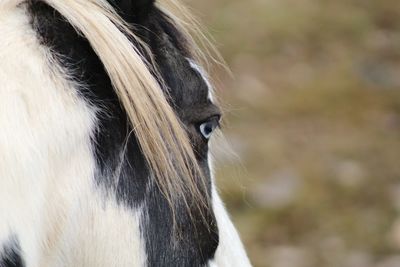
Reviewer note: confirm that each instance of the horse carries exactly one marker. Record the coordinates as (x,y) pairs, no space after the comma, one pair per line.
(106,116)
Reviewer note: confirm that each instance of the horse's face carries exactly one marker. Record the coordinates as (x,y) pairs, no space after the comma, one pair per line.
(190,94)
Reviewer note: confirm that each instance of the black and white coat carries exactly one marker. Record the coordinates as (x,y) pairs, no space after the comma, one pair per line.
(62,142)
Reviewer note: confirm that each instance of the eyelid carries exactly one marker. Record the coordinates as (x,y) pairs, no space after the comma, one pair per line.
(217,117)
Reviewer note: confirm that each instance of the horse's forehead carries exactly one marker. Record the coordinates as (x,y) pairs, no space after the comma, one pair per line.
(186,81)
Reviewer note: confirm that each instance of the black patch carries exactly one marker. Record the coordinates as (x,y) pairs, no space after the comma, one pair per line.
(10,255)
(196,243)
(133,10)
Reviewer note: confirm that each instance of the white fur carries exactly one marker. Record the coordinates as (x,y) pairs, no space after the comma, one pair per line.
(204,75)
(103,234)
(230,251)
(48,199)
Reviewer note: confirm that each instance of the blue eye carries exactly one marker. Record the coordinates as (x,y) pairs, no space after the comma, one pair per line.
(208,127)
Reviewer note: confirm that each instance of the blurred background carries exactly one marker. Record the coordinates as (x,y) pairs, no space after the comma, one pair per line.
(313,113)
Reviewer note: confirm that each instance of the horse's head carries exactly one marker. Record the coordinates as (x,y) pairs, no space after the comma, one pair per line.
(132,151)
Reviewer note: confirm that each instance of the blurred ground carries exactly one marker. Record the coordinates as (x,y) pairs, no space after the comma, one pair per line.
(313,112)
